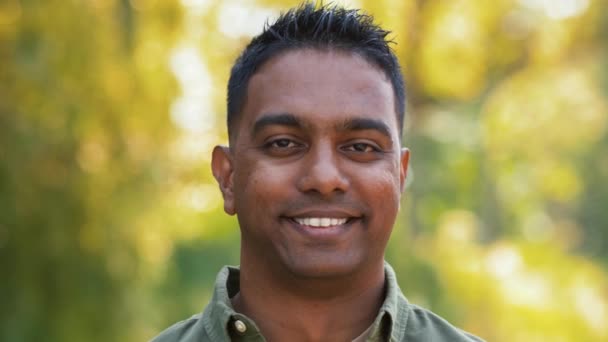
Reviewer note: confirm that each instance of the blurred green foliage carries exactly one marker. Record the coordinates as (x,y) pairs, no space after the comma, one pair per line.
(112,228)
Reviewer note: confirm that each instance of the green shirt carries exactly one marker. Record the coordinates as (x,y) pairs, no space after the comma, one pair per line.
(396,321)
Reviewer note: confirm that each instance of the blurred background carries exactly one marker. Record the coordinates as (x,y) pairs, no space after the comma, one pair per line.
(111,225)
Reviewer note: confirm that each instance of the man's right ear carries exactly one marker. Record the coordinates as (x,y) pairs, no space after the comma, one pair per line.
(223,171)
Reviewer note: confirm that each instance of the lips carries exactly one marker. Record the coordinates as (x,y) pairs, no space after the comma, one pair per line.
(324,221)
(320,222)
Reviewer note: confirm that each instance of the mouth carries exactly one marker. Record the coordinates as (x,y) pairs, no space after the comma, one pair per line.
(330,222)
(323,226)
(320,222)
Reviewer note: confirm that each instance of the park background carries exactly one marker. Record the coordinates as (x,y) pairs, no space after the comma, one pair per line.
(111,225)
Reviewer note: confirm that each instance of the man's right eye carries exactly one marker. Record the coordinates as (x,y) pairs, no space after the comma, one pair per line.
(281,143)
(282,147)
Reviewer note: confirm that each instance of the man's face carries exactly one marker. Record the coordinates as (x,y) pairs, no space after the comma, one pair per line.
(315,171)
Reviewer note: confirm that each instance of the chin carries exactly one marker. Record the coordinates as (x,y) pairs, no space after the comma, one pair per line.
(323,267)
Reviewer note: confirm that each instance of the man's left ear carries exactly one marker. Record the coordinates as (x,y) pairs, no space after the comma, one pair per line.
(405,160)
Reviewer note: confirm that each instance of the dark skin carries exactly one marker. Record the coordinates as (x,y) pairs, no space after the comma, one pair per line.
(315,175)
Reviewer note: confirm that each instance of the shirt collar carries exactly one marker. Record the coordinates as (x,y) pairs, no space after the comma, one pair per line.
(219,316)
(393,314)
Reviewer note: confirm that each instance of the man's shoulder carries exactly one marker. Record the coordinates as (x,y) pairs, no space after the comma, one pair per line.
(424,325)
(190,329)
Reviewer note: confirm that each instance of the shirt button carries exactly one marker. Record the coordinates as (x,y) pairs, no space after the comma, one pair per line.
(240,326)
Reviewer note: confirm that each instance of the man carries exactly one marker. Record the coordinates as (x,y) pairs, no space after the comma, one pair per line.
(314,173)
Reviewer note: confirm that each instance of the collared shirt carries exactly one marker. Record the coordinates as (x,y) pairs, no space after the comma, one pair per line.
(397,320)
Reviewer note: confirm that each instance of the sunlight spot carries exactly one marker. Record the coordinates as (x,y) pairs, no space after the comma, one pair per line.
(196,6)
(201,197)
(458,226)
(193,147)
(348,3)
(451,128)
(458,26)
(527,289)
(590,305)
(239,18)
(503,261)
(192,111)
(188,114)
(558,9)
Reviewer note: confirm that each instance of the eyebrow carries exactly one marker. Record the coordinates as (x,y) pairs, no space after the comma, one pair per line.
(290,120)
(362,124)
(280,119)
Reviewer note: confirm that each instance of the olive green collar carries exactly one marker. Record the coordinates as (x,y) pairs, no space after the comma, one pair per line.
(222,323)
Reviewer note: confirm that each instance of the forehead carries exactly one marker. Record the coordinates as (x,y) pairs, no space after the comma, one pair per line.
(320,86)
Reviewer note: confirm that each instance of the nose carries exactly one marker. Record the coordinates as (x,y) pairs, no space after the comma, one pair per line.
(322,173)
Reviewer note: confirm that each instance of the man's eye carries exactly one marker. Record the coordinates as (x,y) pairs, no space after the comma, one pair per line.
(282,143)
(361,147)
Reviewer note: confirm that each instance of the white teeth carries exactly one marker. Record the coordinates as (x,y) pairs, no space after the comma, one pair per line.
(320,221)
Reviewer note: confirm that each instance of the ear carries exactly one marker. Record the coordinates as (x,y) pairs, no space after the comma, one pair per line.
(223,171)
(405,160)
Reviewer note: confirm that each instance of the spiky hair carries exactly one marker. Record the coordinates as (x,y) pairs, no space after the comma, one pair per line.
(319,27)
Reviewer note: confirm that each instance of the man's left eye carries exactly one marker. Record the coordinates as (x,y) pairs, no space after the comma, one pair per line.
(282,143)
(361,147)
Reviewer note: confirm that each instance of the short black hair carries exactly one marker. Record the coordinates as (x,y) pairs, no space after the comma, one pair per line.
(319,27)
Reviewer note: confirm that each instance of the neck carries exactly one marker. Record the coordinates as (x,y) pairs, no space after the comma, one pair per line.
(304,309)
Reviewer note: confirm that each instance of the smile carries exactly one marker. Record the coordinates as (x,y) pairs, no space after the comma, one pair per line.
(320,222)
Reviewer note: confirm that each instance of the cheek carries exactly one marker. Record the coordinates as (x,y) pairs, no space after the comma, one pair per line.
(381,185)
(260,186)
(380,188)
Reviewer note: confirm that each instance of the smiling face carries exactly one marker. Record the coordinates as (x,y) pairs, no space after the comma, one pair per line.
(315,170)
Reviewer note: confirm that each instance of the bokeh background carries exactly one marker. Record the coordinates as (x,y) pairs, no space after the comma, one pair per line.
(111,225)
